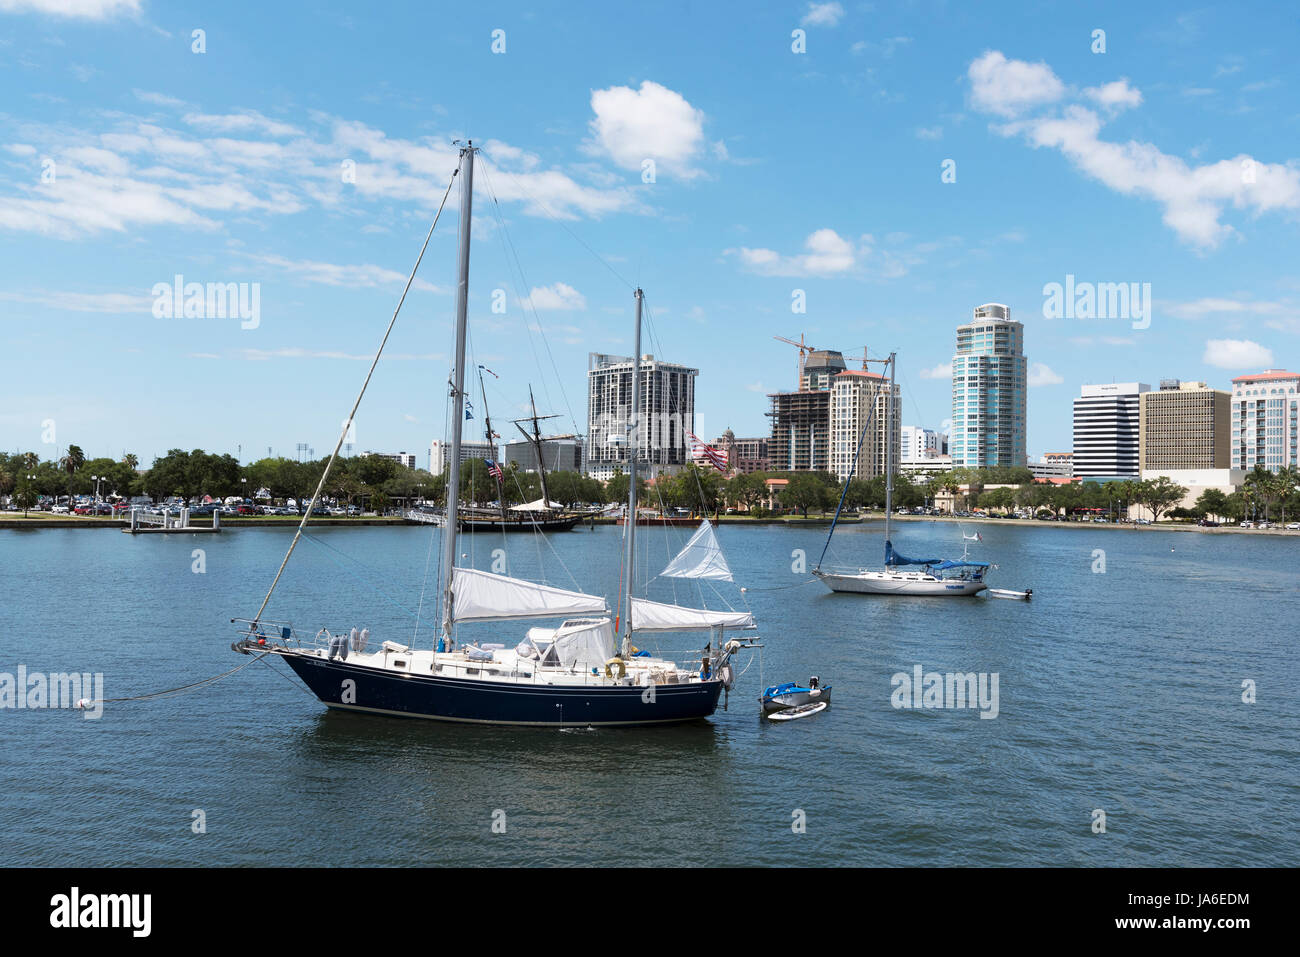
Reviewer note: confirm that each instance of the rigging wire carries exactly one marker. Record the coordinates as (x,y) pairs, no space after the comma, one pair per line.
(351,415)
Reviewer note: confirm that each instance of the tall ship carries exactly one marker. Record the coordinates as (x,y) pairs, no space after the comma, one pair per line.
(583,669)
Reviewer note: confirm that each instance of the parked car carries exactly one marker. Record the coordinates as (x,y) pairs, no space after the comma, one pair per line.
(1293,527)
(1246,525)
(1206,523)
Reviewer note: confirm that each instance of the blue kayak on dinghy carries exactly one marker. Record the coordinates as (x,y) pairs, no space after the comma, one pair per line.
(792,695)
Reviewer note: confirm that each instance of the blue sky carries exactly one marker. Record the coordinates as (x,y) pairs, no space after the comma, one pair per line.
(1169,159)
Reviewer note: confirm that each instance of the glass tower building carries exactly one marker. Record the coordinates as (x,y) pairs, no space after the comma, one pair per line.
(988,391)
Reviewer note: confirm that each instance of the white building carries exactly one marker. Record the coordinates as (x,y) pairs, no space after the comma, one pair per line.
(920,444)
(1264,420)
(988,391)
(1197,481)
(439,452)
(1107,429)
(855,396)
(667,415)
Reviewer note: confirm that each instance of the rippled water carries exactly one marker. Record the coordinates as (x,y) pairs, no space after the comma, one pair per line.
(1119,691)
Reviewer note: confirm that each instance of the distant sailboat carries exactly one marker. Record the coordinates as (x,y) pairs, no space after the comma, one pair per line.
(902,575)
(576,673)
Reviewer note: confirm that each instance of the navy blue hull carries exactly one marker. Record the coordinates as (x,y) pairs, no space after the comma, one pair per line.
(492,702)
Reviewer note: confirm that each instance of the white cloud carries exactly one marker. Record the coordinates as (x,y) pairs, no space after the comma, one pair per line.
(359,276)
(1193,197)
(556,296)
(1117,95)
(1200,308)
(631,126)
(822,15)
(1040,374)
(246,122)
(828,254)
(104,302)
(72,9)
(1236,354)
(1008,87)
(942,371)
(929,132)
(141,172)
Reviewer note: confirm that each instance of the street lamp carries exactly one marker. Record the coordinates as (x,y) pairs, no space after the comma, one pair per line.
(97,479)
(27,495)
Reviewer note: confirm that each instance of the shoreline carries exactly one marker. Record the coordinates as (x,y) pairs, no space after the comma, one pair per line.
(288,521)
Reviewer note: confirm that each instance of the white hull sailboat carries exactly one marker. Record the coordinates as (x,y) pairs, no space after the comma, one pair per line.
(580,672)
(915,577)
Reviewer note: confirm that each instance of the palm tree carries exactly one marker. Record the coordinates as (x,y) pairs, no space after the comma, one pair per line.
(1287,480)
(74,460)
(130,461)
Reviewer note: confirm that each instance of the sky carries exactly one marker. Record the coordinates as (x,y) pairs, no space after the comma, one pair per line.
(884,168)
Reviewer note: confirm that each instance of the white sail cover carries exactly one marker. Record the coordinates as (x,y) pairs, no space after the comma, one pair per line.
(482,596)
(655,616)
(538,506)
(701,558)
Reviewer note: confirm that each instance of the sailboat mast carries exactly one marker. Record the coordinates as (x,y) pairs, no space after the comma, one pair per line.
(536,438)
(889,450)
(633,453)
(491,441)
(458,388)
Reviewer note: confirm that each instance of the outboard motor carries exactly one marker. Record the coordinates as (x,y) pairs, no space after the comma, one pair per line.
(812,683)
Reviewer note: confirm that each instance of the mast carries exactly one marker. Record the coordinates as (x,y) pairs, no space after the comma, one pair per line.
(537,448)
(633,453)
(458,390)
(491,440)
(889,451)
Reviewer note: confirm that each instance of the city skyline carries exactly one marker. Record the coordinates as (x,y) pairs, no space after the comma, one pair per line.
(1163,164)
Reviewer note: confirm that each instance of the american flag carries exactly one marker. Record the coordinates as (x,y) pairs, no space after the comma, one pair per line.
(702,452)
(493,469)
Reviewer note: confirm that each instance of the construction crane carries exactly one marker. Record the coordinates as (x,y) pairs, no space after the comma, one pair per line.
(804,350)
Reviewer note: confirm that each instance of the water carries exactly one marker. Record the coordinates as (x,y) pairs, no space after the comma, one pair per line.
(1119,691)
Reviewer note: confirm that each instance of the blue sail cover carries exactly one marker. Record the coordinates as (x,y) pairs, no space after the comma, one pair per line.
(959,564)
(894,558)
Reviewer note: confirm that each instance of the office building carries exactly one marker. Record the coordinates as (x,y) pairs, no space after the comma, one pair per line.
(743,455)
(439,452)
(401,458)
(1107,420)
(558,455)
(920,444)
(1184,425)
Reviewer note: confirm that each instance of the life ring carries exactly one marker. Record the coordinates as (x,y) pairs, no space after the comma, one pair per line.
(622,668)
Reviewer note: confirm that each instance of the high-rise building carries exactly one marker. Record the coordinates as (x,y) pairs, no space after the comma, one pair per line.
(667,415)
(440,451)
(858,397)
(988,391)
(801,422)
(1264,420)
(920,443)
(1107,423)
(558,454)
(1184,425)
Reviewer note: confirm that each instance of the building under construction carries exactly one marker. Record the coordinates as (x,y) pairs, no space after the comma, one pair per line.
(801,421)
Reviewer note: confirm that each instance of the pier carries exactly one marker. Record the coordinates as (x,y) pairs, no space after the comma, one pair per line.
(144,522)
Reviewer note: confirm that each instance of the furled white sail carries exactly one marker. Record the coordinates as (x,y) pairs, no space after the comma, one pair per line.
(540,505)
(655,616)
(482,596)
(701,558)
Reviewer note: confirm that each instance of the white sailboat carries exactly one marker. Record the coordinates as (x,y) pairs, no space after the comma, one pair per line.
(578,672)
(902,575)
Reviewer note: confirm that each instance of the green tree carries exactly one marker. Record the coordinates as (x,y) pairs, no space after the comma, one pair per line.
(1160,495)
(1212,502)
(805,491)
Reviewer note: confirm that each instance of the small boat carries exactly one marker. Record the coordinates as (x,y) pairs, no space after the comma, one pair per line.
(803,711)
(791,695)
(1025,595)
